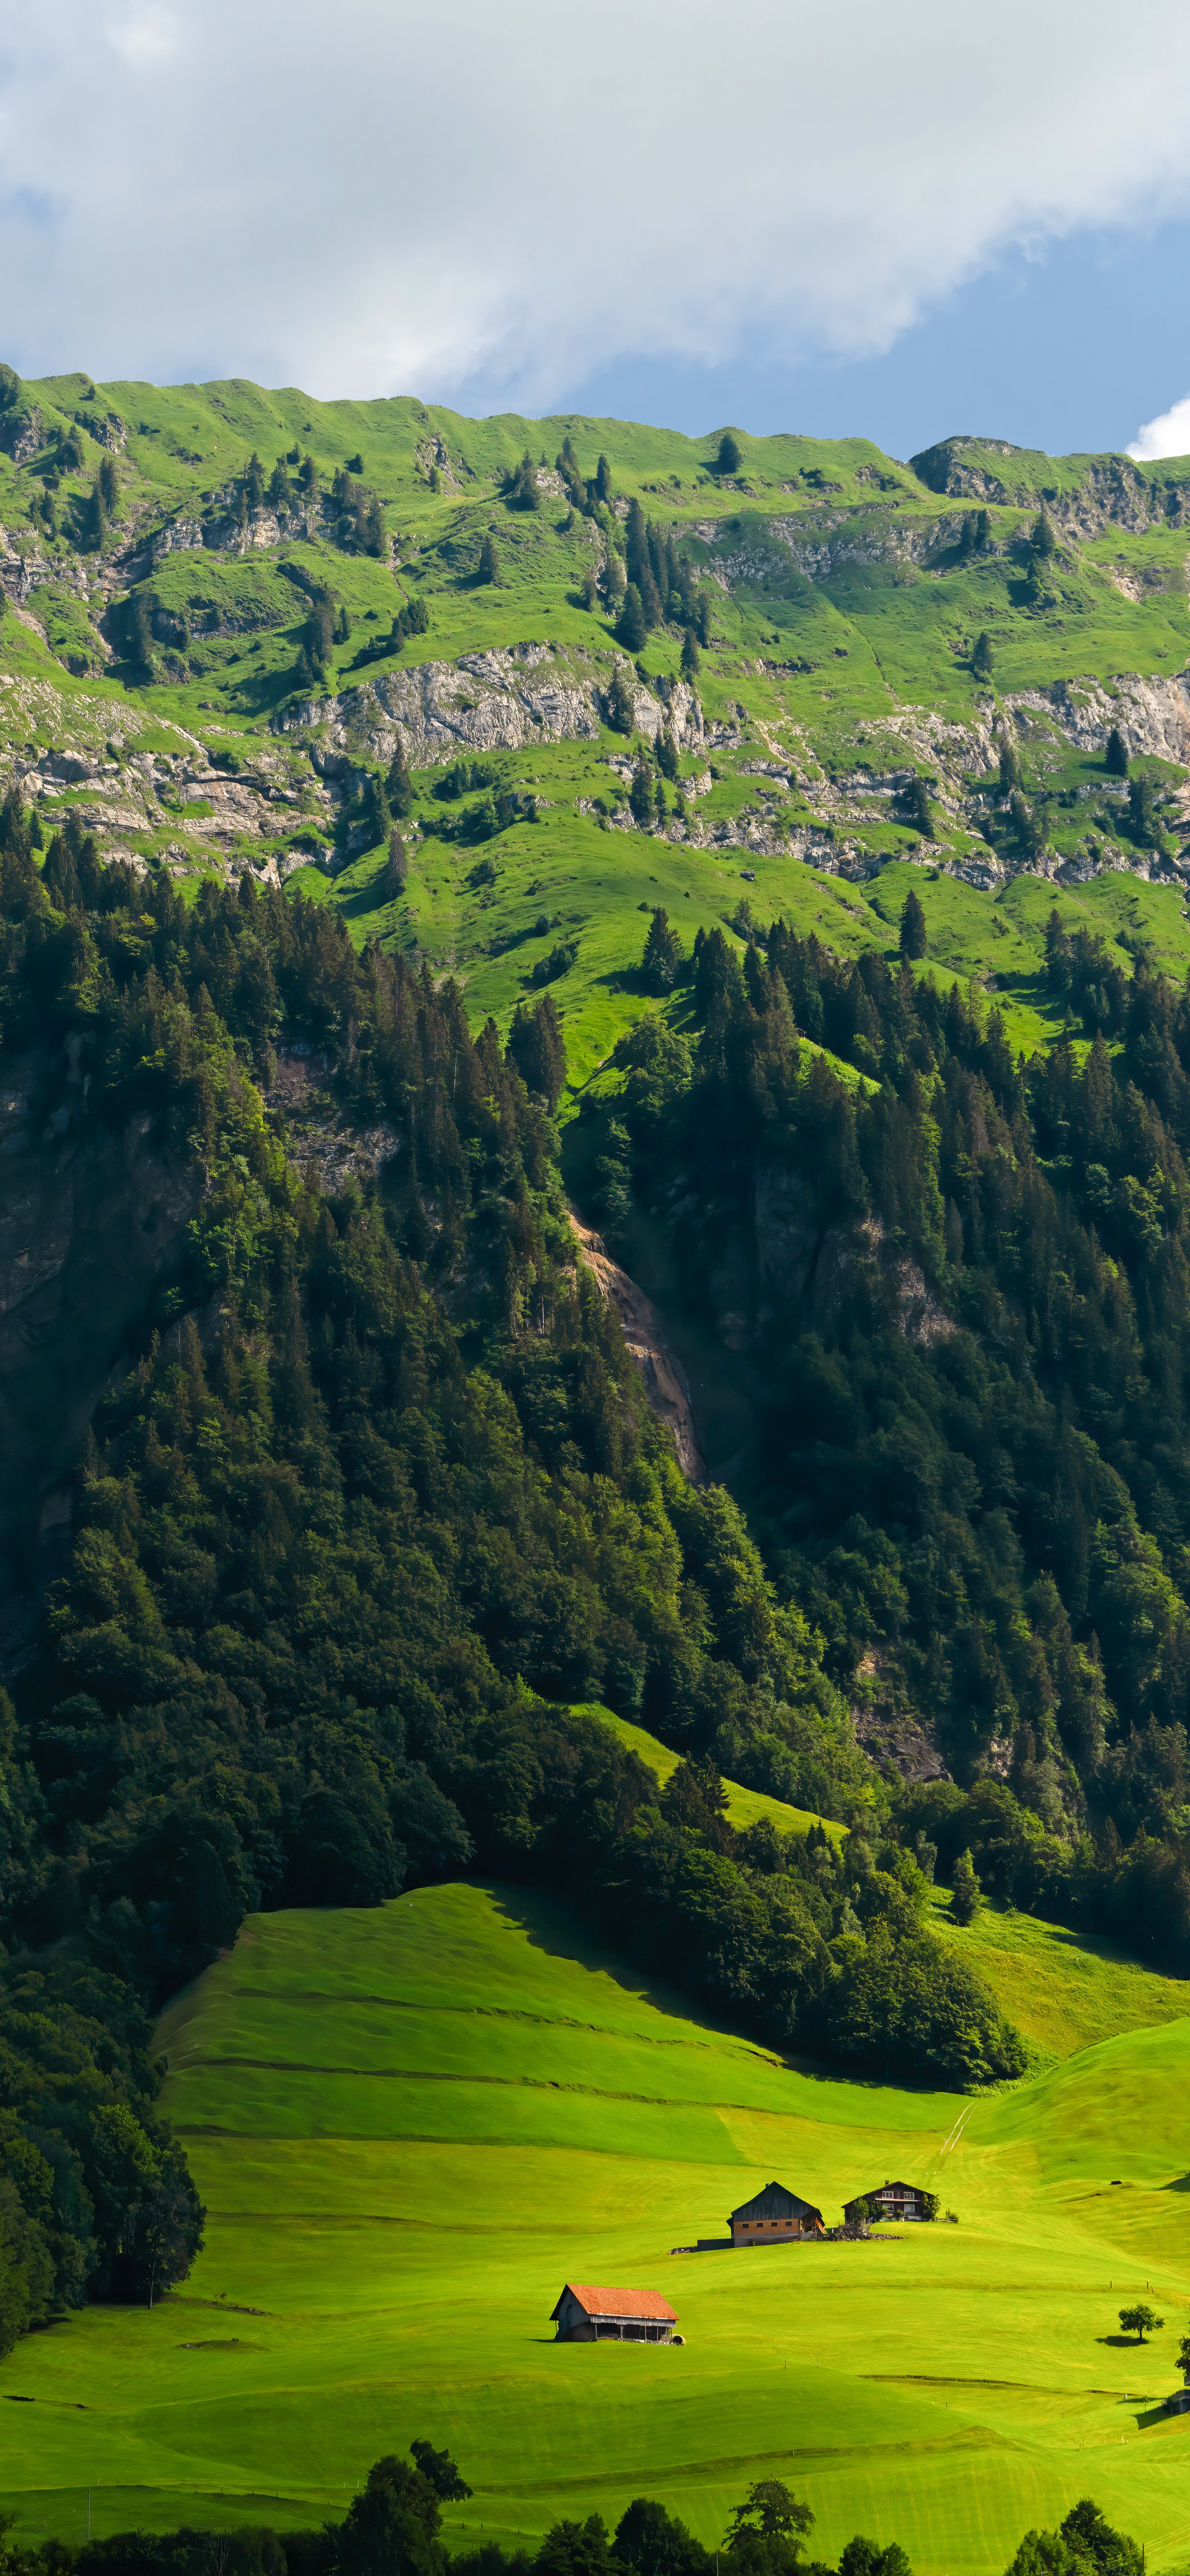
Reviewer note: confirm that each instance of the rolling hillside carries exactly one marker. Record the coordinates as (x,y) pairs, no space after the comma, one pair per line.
(411,2124)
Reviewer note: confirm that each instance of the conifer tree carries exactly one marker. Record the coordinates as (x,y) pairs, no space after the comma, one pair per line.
(965,1890)
(640,793)
(1042,538)
(489,561)
(398,784)
(109,484)
(981,658)
(702,618)
(913,926)
(397,872)
(254,483)
(94,517)
(535,1046)
(661,964)
(917,804)
(691,657)
(603,480)
(631,630)
(728,459)
(1010,768)
(1115,758)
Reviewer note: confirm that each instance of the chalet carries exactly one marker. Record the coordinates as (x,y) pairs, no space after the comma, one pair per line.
(585,2315)
(1179,2403)
(893,2200)
(775,2217)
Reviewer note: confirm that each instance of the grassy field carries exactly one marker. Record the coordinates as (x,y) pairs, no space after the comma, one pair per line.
(412,2124)
(744,1806)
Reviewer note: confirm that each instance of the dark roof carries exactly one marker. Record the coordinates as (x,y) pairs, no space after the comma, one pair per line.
(617,2303)
(917,2188)
(776,2202)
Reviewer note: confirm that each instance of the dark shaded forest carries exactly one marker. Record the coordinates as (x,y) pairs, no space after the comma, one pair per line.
(971,1472)
(371,1503)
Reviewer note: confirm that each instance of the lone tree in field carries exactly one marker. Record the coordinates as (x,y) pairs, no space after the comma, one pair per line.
(965,1890)
(981,658)
(691,657)
(1140,2321)
(1042,538)
(913,926)
(397,872)
(728,458)
(1115,758)
(489,561)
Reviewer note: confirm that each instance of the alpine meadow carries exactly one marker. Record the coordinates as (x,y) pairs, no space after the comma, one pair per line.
(595,1545)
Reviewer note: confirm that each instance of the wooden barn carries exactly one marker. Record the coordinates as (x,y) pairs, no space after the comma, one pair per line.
(775,2217)
(893,2200)
(586,2315)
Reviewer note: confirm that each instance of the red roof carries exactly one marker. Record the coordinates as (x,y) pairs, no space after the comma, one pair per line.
(620,2303)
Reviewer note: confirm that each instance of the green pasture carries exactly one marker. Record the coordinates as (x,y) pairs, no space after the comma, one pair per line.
(412,2124)
(744,1806)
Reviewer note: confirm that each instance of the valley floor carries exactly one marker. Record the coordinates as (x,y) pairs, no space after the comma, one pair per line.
(412,2124)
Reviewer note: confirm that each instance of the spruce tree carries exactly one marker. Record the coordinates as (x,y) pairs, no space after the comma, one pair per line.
(1115,758)
(397,872)
(640,794)
(1042,538)
(983,528)
(665,752)
(661,964)
(965,1890)
(621,714)
(702,618)
(94,517)
(254,483)
(913,926)
(660,805)
(691,657)
(603,480)
(279,487)
(650,596)
(728,459)
(917,804)
(398,784)
(109,484)
(536,1047)
(1010,768)
(631,630)
(138,630)
(981,658)
(489,560)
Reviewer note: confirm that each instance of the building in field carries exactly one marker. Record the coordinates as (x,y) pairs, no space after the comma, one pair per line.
(893,2200)
(775,2217)
(587,2315)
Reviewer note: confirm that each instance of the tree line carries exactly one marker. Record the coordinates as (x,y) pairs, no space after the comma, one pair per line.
(394,2527)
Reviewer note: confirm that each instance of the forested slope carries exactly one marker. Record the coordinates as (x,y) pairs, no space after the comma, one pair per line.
(374,1497)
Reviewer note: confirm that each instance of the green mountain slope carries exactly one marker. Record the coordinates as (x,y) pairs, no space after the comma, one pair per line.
(412,2124)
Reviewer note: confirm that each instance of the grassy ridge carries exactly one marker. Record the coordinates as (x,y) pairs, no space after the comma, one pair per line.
(411,2124)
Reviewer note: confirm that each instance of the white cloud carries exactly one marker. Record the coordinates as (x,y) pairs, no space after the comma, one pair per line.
(386,197)
(1168,435)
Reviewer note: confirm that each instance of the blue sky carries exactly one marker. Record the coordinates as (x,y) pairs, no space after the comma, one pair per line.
(1070,348)
(899,222)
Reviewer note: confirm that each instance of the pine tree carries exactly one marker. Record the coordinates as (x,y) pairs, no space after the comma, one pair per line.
(254,483)
(691,657)
(640,794)
(965,1890)
(621,713)
(660,805)
(1042,538)
(728,459)
(109,484)
(913,926)
(702,618)
(1010,768)
(917,806)
(603,480)
(536,1047)
(489,560)
(981,658)
(279,495)
(631,630)
(661,964)
(983,529)
(138,630)
(650,596)
(398,784)
(665,752)
(397,872)
(1115,758)
(94,517)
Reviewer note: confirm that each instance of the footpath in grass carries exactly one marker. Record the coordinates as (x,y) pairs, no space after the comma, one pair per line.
(412,2124)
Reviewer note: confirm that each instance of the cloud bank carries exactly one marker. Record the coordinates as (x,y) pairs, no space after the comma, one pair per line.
(382,198)
(1168,435)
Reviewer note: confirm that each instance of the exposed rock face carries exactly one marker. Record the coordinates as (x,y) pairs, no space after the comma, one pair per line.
(20,434)
(1152,715)
(493,701)
(88,1216)
(644,1334)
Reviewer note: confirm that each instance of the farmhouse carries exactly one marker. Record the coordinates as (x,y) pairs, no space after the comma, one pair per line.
(893,2200)
(585,2315)
(775,2217)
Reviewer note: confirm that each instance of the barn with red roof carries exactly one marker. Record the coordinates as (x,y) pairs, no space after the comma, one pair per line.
(590,2315)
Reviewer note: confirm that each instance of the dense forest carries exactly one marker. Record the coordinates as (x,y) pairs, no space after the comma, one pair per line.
(375,1501)
(971,1471)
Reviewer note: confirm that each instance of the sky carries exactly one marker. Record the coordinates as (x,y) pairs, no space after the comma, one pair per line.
(896,223)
